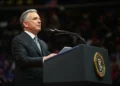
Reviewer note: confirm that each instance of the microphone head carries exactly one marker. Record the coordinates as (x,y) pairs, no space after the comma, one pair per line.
(51,30)
(55,30)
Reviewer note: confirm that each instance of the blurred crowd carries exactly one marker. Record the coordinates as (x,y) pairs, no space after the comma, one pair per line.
(99,26)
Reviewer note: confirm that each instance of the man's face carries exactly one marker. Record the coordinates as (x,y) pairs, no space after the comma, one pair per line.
(33,22)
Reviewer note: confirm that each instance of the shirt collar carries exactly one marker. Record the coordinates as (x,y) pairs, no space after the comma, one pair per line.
(30,34)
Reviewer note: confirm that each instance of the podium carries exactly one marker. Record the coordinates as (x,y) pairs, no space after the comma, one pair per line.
(82,65)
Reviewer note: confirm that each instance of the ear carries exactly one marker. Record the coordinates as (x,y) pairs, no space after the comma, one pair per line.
(25,24)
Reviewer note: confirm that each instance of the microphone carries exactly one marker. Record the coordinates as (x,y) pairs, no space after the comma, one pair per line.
(56,30)
(67,32)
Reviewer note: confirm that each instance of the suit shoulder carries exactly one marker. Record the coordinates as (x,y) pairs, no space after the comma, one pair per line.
(18,37)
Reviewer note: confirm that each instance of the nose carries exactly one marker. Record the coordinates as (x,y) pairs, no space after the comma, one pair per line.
(39,21)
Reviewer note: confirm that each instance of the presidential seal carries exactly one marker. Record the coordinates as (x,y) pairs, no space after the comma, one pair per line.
(99,64)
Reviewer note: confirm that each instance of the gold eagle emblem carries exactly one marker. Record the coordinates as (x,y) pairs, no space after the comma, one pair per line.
(99,64)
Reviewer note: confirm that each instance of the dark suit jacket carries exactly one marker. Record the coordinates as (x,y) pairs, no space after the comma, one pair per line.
(28,59)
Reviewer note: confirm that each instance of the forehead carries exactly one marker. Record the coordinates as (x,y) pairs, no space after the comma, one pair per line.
(32,14)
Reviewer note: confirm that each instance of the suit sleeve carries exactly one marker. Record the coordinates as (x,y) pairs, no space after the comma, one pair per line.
(21,56)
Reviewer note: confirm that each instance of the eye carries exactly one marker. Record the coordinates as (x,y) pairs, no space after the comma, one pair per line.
(35,18)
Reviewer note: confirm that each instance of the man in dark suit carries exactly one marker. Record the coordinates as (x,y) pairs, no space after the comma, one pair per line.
(29,51)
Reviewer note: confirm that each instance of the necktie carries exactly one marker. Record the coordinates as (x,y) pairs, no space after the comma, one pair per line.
(37,43)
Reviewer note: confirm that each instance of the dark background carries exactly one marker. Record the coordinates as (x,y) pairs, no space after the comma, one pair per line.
(97,21)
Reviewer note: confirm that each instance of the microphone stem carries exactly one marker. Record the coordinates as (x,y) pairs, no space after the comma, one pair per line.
(67,32)
(80,38)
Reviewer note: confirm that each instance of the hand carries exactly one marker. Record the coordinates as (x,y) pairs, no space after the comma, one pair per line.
(49,56)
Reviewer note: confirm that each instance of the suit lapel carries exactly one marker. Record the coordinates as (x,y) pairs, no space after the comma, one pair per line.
(31,42)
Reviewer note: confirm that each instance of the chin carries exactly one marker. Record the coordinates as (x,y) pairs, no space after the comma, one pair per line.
(39,29)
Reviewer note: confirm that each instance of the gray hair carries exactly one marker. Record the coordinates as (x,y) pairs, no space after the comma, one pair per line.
(23,17)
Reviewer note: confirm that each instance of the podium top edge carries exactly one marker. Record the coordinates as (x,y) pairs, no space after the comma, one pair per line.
(93,46)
